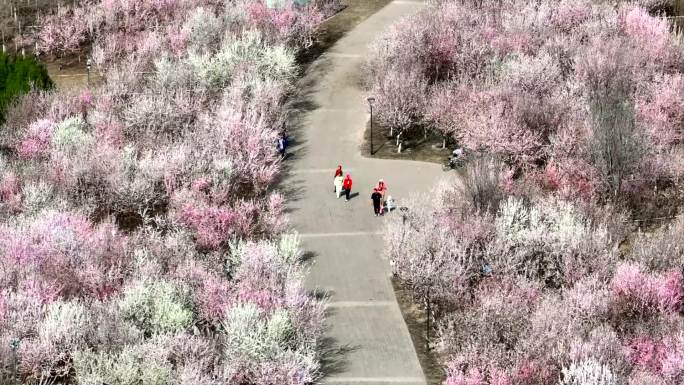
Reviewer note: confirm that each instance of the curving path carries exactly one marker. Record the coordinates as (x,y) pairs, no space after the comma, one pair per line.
(367,340)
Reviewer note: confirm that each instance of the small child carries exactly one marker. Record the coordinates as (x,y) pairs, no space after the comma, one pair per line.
(390,203)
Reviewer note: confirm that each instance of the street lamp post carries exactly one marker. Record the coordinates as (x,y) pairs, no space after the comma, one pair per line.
(371,100)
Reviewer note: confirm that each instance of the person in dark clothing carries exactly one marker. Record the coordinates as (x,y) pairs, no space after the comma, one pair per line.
(376,197)
(282,145)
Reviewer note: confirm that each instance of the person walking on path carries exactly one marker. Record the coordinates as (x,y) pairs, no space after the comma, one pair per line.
(282,145)
(347,186)
(338,172)
(339,181)
(375,198)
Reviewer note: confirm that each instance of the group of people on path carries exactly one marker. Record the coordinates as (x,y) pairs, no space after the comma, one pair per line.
(343,184)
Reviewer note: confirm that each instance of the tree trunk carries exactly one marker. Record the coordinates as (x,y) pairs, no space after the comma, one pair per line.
(427,323)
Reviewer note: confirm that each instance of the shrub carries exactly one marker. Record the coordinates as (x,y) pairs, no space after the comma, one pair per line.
(70,137)
(638,291)
(62,332)
(156,308)
(204,28)
(261,344)
(615,145)
(37,141)
(62,255)
(482,183)
(436,264)
(143,364)
(662,249)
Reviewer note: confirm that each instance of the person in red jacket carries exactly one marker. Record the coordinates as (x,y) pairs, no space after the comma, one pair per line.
(338,172)
(382,189)
(347,186)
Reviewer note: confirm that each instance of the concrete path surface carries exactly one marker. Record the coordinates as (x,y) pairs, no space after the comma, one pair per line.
(367,340)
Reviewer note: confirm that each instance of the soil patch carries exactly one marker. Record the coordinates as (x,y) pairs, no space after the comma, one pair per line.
(71,73)
(416,319)
(418,147)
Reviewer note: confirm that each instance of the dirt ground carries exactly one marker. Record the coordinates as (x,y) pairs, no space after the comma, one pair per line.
(71,73)
(414,148)
(416,318)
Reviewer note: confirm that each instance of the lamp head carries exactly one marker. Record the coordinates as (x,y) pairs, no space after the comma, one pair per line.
(371,100)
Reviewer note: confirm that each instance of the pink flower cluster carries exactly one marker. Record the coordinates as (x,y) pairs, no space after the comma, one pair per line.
(288,22)
(37,141)
(636,289)
(664,357)
(214,225)
(63,255)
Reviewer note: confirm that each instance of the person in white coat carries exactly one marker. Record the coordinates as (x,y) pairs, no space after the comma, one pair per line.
(339,181)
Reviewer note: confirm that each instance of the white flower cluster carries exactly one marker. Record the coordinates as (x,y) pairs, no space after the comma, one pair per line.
(550,221)
(587,372)
(71,137)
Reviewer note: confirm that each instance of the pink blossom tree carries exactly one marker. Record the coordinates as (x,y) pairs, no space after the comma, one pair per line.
(514,80)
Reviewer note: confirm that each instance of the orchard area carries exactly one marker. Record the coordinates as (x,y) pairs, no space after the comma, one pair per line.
(141,240)
(557,256)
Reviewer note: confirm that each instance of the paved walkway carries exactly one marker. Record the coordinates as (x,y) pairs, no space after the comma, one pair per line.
(365,326)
